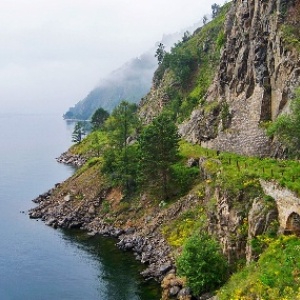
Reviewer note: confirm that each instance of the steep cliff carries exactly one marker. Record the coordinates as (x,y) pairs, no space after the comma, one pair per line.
(257,72)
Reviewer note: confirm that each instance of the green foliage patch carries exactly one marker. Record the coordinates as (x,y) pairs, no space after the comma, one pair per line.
(287,127)
(186,225)
(92,145)
(192,63)
(241,173)
(276,275)
(202,263)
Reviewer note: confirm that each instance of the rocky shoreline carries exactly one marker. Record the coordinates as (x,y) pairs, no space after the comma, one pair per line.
(147,244)
(71,159)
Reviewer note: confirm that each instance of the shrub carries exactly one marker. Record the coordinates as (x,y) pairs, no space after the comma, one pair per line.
(202,263)
(183,176)
(287,127)
(221,39)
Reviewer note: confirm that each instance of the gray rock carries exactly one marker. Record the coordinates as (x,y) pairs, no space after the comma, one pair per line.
(184,292)
(51,222)
(206,296)
(174,290)
(68,198)
(92,210)
(130,231)
(128,246)
(192,162)
(165,268)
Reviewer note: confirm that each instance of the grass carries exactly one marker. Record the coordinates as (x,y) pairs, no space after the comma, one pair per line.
(92,145)
(178,231)
(244,172)
(276,275)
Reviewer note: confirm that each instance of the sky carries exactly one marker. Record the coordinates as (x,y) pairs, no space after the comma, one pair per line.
(53,52)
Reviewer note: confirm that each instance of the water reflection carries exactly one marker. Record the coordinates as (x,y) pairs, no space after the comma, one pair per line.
(119,277)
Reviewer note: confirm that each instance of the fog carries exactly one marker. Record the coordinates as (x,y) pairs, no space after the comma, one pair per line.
(53,53)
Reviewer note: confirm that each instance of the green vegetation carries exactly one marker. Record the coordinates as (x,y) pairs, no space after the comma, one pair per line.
(78,132)
(188,224)
(287,128)
(160,53)
(291,36)
(158,147)
(191,65)
(215,10)
(276,275)
(202,263)
(290,29)
(237,172)
(98,118)
(120,158)
(93,145)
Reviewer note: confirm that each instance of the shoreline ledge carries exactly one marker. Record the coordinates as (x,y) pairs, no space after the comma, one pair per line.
(68,158)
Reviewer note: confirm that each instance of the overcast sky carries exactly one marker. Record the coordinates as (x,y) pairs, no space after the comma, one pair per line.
(53,52)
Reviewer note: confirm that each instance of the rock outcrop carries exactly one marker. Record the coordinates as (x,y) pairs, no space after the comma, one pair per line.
(257,75)
(97,210)
(71,159)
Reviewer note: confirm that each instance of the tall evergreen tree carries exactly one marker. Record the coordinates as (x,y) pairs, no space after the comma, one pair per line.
(78,132)
(98,118)
(120,157)
(122,124)
(158,146)
(160,53)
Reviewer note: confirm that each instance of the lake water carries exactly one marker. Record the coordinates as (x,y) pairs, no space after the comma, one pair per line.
(36,261)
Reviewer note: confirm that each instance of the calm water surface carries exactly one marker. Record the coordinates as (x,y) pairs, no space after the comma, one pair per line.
(38,262)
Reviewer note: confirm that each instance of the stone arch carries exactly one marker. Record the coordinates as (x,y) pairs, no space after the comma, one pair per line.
(293,224)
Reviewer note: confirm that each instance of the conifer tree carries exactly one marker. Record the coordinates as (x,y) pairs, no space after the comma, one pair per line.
(78,132)
(158,147)
(98,118)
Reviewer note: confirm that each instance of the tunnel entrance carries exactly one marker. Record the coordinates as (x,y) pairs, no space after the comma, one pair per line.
(293,224)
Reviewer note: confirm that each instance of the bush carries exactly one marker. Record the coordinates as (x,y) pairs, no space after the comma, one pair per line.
(184,177)
(202,263)
(287,127)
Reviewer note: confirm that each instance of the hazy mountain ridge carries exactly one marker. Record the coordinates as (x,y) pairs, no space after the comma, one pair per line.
(130,82)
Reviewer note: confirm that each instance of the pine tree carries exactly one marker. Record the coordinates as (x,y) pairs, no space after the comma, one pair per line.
(78,132)
(98,118)
(158,147)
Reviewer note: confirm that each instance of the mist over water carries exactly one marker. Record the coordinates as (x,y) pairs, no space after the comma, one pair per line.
(36,261)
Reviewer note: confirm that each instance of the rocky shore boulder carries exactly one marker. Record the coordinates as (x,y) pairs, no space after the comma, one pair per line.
(71,159)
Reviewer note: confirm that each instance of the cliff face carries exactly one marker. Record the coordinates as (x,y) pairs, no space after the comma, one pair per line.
(257,74)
